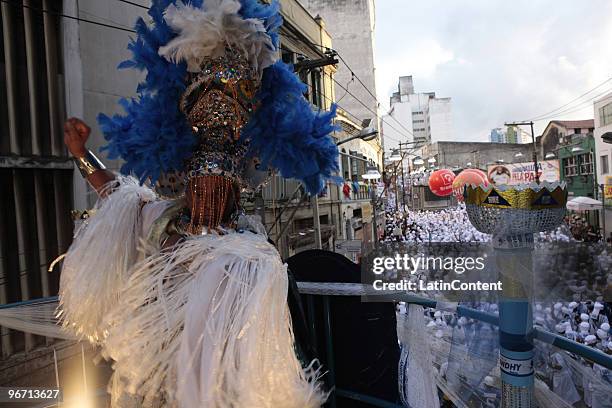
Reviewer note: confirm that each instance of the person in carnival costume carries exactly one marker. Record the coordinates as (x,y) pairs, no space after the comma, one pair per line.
(186,296)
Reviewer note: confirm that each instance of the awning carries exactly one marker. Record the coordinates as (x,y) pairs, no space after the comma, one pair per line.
(583,204)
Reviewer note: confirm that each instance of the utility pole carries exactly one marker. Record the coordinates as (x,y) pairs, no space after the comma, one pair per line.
(401,147)
(535,150)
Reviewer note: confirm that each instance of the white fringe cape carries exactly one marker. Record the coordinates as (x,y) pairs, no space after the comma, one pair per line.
(205,324)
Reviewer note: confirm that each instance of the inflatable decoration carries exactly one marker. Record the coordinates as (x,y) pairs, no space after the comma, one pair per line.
(468,176)
(441,182)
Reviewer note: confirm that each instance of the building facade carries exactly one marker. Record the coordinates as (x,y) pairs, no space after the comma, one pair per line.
(460,155)
(577,165)
(509,135)
(603,157)
(351,24)
(427,117)
(557,130)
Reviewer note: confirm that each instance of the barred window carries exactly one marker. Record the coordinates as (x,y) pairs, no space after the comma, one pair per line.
(586,163)
(570,166)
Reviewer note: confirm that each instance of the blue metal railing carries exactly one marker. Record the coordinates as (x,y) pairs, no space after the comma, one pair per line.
(556,340)
(541,335)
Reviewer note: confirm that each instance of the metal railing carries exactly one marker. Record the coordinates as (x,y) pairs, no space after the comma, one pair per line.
(539,334)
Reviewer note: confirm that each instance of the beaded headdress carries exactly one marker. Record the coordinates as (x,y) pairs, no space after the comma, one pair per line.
(216,100)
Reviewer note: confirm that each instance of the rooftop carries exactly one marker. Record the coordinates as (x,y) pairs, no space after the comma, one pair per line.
(575,124)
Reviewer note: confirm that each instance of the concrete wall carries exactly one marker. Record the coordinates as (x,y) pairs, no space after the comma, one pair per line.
(451,154)
(441,120)
(93,83)
(402,113)
(351,25)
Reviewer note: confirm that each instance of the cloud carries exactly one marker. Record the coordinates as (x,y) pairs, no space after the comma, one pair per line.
(499,60)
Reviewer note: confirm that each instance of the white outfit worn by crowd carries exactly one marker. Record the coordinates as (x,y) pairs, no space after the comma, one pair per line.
(563,385)
(204,324)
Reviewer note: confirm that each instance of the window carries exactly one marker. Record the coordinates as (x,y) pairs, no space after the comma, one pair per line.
(570,167)
(605,165)
(304,77)
(287,56)
(417,113)
(605,114)
(315,80)
(586,163)
(577,131)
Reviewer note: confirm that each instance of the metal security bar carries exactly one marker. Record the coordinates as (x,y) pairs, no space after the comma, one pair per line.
(35,174)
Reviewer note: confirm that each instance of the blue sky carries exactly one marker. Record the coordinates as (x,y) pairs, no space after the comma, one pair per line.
(498,60)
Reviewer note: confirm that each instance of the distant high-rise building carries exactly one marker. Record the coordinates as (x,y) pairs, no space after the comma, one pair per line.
(509,135)
(513,135)
(428,118)
(497,136)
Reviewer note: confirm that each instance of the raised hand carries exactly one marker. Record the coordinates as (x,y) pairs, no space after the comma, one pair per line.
(76,133)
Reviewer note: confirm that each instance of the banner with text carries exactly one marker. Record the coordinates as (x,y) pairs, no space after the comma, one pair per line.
(520,173)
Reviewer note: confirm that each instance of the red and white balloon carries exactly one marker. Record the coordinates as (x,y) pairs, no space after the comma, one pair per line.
(468,176)
(441,182)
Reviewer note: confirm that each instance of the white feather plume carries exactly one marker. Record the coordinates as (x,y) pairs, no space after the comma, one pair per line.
(205,32)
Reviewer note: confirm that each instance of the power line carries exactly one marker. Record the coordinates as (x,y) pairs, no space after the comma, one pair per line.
(133,31)
(572,101)
(353,75)
(573,109)
(368,108)
(134,4)
(358,79)
(312,89)
(58,14)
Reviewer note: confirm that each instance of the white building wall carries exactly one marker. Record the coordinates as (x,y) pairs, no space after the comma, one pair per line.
(428,118)
(420,116)
(402,113)
(93,83)
(603,149)
(441,120)
(351,26)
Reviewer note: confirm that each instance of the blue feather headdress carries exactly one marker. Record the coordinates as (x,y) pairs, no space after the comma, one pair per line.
(154,136)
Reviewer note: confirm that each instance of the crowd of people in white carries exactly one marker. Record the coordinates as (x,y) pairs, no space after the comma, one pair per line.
(447,225)
(584,317)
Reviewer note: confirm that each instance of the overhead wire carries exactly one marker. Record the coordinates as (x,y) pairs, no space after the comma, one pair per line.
(353,75)
(378,104)
(120,28)
(58,14)
(572,101)
(576,108)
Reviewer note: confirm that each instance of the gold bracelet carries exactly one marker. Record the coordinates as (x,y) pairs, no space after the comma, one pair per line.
(88,164)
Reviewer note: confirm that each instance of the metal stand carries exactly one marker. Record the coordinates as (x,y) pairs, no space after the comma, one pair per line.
(514,262)
(512,215)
